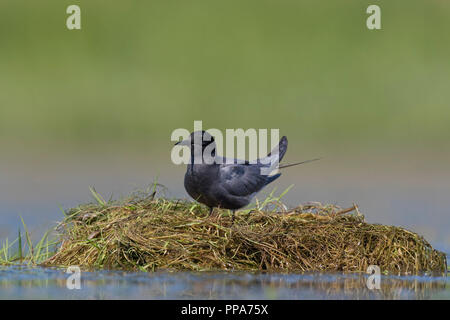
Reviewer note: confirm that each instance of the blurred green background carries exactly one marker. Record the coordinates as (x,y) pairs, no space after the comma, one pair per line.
(96,106)
(139,69)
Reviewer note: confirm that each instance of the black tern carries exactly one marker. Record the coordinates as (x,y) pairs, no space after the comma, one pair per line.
(227,183)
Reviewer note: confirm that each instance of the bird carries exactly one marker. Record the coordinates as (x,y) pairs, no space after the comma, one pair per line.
(227,183)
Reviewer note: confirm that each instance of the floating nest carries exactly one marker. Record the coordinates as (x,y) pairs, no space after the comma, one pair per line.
(155,233)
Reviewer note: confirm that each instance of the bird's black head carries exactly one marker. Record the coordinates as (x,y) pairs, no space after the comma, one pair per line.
(202,138)
(197,138)
(202,145)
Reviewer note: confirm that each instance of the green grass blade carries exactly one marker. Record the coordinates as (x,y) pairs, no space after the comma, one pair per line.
(20,247)
(284,192)
(29,242)
(97,197)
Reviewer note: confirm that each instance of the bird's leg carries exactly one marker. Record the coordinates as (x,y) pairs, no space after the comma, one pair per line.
(210,211)
(232,217)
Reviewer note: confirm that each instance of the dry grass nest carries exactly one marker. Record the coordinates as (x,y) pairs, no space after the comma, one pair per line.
(148,233)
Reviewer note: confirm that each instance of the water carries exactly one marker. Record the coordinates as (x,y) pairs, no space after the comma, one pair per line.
(47,283)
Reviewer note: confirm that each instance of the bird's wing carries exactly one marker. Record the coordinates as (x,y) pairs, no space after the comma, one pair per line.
(272,159)
(242,180)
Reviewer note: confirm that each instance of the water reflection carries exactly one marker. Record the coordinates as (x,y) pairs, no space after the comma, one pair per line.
(47,283)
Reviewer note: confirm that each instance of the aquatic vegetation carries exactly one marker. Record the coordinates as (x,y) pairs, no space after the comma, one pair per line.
(149,233)
(23,251)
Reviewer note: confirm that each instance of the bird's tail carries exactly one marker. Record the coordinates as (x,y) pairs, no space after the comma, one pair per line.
(282,148)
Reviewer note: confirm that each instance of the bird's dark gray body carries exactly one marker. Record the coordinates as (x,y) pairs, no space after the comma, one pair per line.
(228,185)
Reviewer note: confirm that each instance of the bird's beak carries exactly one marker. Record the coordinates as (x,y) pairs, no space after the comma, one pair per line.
(184,143)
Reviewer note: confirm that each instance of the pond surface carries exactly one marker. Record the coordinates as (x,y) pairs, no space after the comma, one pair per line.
(48,283)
